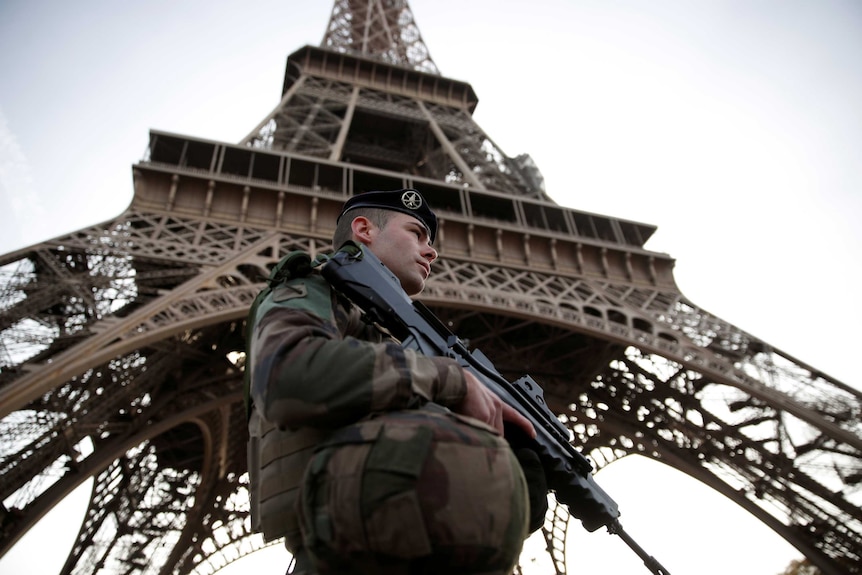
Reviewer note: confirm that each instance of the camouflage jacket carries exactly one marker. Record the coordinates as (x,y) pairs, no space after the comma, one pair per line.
(313,366)
(315,362)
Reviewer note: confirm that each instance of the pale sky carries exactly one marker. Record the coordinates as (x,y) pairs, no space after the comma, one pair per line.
(733,126)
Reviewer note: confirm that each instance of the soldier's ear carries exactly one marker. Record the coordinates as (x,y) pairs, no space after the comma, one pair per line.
(363,229)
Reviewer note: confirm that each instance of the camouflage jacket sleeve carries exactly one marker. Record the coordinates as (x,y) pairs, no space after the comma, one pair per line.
(312,363)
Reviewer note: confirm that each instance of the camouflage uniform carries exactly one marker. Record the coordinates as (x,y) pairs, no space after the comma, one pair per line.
(353,456)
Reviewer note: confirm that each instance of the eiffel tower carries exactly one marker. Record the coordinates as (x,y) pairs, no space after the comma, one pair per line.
(120,357)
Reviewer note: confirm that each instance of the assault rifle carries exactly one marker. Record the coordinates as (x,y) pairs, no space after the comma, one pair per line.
(359,275)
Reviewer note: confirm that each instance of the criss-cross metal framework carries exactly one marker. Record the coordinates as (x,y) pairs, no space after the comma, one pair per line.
(384,31)
(121,353)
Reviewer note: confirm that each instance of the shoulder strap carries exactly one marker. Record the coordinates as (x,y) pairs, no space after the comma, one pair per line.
(296,264)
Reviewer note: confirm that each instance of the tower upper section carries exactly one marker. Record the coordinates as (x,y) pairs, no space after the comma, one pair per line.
(378,29)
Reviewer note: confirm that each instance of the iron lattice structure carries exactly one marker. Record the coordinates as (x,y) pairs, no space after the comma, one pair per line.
(121,350)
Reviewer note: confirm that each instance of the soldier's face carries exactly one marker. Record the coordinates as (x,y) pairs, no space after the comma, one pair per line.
(404,247)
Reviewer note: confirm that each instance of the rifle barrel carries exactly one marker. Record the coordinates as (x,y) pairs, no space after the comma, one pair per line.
(651,562)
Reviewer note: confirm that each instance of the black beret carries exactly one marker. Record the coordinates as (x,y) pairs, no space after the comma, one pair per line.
(407,201)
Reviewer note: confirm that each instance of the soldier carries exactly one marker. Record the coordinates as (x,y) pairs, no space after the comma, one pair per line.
(368,457)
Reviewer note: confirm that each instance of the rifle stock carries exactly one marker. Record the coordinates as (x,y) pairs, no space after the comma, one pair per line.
(358,274)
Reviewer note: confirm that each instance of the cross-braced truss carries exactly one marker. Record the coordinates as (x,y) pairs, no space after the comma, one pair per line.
(383,30)
(121,354)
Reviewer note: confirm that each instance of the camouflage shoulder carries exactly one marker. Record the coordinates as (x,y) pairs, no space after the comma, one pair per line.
(292,283)
(311,293)
(295,283)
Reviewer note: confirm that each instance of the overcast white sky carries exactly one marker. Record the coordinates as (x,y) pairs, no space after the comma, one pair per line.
(733,126)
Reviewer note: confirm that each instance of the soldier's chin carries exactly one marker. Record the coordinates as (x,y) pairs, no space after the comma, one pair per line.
(414,287)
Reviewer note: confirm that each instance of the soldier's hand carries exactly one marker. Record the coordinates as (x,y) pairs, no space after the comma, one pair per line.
(480,403)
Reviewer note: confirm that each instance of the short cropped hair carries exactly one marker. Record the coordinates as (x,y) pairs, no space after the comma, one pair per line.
(343,230)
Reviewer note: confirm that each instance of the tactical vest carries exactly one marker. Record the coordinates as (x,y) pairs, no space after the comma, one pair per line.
(277,457)
(276,461)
